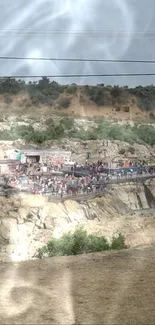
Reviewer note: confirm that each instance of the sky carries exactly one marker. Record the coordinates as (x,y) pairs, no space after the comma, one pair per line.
(87,29)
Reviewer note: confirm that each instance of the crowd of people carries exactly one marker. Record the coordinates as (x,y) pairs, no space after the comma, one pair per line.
(92,178)
(101,166)
(58,185)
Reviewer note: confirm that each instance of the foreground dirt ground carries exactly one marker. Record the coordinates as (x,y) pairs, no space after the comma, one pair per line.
(108,288)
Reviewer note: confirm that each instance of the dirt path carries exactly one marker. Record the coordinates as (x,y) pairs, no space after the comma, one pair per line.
(108,288)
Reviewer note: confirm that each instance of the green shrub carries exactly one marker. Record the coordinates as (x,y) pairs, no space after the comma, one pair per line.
(64,102)
(116,91)
(49,121)
(23,130)
(112,131)
(96,94)
(91,135)
(145,96)
(67,122)
(152,116)
(71,89)
(126,109)
(146,133)
(54,132)
(35,136)
(97,244)
(131,150)
(117,109)
(118,242)
(122,151)
(2,119)
(80,242)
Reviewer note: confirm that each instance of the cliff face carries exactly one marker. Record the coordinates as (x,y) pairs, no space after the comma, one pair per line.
(28,222)
(137,196)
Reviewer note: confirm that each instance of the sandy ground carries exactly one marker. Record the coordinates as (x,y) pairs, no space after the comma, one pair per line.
(108,288)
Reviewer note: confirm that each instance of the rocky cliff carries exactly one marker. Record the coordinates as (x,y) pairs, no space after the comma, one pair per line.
(27,222)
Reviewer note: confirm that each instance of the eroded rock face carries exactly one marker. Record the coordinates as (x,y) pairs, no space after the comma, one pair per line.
(27,222)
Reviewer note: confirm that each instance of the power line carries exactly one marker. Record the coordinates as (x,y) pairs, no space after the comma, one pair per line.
(76,60)
(85,33)
(81,75)
(28,2)
(102,31)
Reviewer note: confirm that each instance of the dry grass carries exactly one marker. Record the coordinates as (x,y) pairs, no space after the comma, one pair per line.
(108,288)
(21,103)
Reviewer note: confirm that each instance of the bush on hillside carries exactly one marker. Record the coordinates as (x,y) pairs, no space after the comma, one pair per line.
(35,136)
(8,99)
(143,134)
(152,116)
(146,133)
(107,98)
(131,134)
(96,94)
(80,242)
(126,109)
(54,132)
(44,92)
(116,91)
(67,122)
(49,121)
(64,102)
(122,151)
(131,150)
(118,242)
(11,86)
(145,96)
(117,109)
(90,135)
(71,89)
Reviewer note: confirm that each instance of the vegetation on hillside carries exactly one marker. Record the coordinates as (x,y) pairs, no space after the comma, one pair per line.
(142,134)
(53,131)
(48,92)
(80,242)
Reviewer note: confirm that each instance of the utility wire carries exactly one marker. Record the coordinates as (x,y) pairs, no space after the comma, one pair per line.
(85,33)
(81,75)
(76,59)
(76,31)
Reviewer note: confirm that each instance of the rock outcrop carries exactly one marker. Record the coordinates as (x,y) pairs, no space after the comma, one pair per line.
(27,222)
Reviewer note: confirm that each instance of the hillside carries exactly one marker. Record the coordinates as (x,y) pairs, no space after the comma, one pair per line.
(89,101)
(108,288)
(28,222)
(104,288)
(41,112)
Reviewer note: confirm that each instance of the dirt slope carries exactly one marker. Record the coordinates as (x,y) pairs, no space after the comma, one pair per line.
(21,104)
(108,288)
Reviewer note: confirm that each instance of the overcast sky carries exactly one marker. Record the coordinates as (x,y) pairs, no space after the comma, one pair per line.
(94,29)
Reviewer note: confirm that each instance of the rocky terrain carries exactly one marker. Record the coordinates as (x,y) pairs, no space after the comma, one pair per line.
(27,222)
